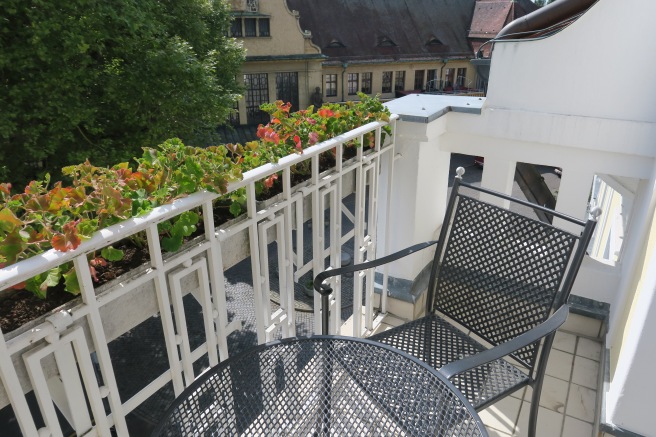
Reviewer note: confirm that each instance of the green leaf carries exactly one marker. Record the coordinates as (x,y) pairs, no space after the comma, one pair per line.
(235,209)
(8,220)
(12,246)
(185,225)
(86,228)
(112,254)
(41,282)
(172,244)
(72,285)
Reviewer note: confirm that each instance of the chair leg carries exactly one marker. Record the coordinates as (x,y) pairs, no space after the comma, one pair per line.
(535,405)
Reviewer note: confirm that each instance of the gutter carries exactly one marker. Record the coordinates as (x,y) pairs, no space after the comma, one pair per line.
(545,16)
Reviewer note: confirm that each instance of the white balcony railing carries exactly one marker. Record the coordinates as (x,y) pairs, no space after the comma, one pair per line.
(66,358)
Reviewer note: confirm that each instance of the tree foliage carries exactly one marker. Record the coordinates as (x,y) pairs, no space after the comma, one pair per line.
(98,80)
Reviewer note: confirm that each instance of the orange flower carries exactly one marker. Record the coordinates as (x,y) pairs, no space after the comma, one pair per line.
(325,113)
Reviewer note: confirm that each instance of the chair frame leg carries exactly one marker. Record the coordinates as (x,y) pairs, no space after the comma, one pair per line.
(535,405)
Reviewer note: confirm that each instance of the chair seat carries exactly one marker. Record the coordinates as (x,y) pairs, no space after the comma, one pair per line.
(436,342)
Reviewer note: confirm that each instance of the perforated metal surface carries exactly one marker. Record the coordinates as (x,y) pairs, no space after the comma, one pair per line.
(500,272)
(437,343)
(321,386)
(498,275)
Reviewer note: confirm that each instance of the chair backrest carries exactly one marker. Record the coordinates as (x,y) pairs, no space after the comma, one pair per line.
(499,273)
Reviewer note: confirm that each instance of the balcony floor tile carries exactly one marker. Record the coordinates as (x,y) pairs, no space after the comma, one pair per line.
(568,401)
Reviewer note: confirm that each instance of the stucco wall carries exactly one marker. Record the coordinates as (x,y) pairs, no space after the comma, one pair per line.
(600,66)
(286,35)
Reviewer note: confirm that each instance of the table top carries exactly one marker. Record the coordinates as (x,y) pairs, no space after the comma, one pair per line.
(319,386)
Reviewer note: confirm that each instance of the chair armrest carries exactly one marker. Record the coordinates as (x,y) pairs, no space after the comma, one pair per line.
(500,351)
(325,290)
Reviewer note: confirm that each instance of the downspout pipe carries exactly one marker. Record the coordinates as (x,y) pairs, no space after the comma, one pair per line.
(344,66)
(545,16)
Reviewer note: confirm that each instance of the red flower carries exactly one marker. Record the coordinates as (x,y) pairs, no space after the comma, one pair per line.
(297,141)
(268,182)
(325,113)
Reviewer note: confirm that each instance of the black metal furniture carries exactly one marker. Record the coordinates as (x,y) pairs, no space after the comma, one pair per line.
(323,385)
(497,293)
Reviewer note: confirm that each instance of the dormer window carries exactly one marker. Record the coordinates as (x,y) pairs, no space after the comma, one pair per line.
(434,41)
(335,44)
(386,42)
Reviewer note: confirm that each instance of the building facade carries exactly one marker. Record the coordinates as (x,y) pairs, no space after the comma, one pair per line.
(385,48)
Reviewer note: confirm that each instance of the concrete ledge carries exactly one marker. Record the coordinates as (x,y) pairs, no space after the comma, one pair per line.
(424,108)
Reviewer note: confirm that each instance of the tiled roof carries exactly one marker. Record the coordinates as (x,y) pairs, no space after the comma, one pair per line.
(489,18)
(372,29)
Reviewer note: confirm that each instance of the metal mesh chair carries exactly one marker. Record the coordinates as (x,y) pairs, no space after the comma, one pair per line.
(497,293)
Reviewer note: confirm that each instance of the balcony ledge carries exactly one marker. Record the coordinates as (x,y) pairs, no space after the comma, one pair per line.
(424,108)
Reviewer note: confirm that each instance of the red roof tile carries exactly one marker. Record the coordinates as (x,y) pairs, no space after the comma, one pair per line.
(489,18)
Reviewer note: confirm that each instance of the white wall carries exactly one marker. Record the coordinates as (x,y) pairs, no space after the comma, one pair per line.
(601,66)
(588,94)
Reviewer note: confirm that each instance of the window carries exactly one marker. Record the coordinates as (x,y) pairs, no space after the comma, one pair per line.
(399,82)
(257,92)
(331,85)
(352,84)
(366,82)
(448,77)
(287,88)
(250,27)
(461,77)
(386,42)
(387,82)
(616,200)
(235,27)
(264,27)
(431,80)
(419,80)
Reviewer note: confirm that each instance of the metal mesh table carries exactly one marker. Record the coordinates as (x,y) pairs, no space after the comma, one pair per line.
(320,386)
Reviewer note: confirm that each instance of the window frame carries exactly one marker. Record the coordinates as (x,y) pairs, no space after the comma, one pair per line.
(352,82)
(256,92)
(419,74)
(330,81)
(249,33)
(449,77)
(399,80)
(267,33)
(366,82)
(461,78)
(236,28)
(387,82)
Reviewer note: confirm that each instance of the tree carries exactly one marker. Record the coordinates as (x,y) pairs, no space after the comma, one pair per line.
(96,79)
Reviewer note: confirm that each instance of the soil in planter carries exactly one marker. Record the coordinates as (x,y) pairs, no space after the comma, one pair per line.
(22,306)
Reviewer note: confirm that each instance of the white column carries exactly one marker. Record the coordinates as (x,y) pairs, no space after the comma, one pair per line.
(498,175)
(573,194)
(419,193)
